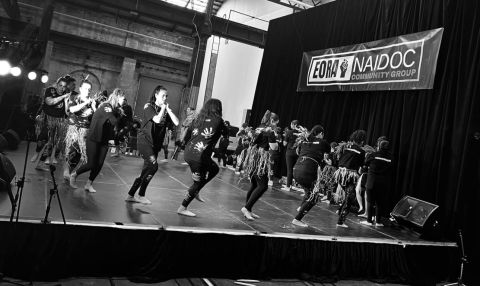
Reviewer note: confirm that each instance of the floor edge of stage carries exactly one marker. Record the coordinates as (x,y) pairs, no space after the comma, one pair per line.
(36,251)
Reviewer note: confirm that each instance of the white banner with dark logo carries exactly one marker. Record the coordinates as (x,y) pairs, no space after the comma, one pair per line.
(404,62)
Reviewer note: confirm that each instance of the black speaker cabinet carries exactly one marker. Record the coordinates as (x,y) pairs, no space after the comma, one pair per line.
(418,215)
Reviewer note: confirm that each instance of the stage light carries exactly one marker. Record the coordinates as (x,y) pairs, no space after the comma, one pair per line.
(16,71)
(4,67)
(44,78)
(32,75)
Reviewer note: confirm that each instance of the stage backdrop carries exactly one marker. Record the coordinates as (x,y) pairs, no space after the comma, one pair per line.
(436,155)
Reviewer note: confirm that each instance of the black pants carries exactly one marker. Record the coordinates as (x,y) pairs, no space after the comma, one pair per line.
(305,173)
(222,157)
(96,153)
(375,196)
(290,158)
(202,173)
(350,198)
(276,163)
(257,189)
(149,154)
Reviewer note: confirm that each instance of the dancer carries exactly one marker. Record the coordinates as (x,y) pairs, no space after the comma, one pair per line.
(81,109)
(51,123)
(223,147)
(101,133)
(351,159)
(257,162)
(378,181)
(157,118)
(202,137)
(307,170)
(290,153)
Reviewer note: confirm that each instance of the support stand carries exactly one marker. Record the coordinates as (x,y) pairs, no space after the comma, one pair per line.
(53,192)
(20,183)
(462,263)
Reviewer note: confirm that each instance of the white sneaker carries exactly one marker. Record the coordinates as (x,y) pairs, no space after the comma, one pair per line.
(364,215)
(184,163)
(73,179)
(379,224)
(255,215)
(131,199)
(237,173)
(299,223)
(366,223)
(47,161)
(89,188)
(285,188)
(143,200)
(183,211)
(298,209)
(342,225)
(164,160)
(54,161)
(270,183)
(247,214)
(35,157)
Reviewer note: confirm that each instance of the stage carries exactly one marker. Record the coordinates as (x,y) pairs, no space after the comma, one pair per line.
(218,232)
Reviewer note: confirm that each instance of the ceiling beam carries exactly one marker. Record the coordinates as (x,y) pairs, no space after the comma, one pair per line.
(183,17)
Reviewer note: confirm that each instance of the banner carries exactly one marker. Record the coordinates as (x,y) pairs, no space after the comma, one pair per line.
(404,62)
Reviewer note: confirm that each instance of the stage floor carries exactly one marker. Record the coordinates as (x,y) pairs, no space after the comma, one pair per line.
(220,213)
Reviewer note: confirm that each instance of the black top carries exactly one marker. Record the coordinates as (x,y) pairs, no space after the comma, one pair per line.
(379,163)
(264,138)
(103,124)
(81,118)
(202,139)
(150,132)
(352,157)
(290,138)
(56,110)
(314,150)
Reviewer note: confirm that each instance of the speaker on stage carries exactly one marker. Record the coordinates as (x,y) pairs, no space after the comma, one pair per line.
(7,174)
(417,214)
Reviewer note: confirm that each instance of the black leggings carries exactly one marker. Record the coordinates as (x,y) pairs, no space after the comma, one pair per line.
(96,153)
(290,158)
(306,175)
(202,173)
(350,199)
(375,198)
(150,167)
(258,187)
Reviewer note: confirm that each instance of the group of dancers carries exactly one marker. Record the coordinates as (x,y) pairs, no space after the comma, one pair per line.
(84,128)
(79,125)
(350,172)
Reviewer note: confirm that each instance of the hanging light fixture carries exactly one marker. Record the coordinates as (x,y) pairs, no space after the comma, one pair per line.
(16,71)
(4,67)
(32,75)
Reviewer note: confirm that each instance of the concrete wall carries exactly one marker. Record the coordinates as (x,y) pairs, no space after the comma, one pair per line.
(88,24)
(238,65)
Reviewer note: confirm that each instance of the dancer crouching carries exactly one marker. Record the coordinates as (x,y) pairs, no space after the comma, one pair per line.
(201,139)
(351,159)
(101,132)
(257,162)
(307,169)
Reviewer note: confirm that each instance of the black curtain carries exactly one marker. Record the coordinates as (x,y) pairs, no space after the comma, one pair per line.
(432,131)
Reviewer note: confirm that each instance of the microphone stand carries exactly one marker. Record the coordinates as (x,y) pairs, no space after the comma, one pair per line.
(53,192)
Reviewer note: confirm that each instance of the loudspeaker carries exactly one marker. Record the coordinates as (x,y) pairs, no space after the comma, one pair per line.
(416,214)
(7,173)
